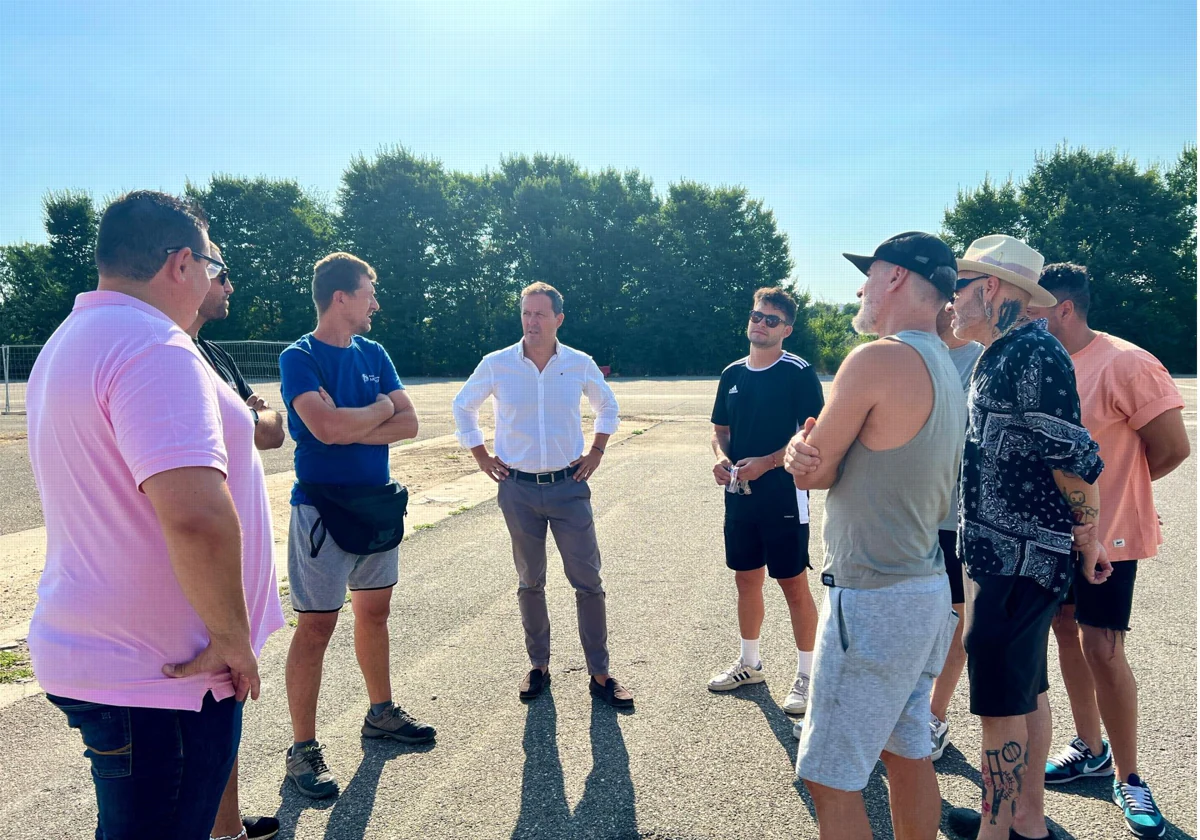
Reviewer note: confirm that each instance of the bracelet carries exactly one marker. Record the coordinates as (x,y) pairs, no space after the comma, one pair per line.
(598,449)
(241,835)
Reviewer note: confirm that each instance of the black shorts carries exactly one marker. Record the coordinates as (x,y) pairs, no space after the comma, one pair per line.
(1106,605)
(780,545)
(1006,633)
(954,568)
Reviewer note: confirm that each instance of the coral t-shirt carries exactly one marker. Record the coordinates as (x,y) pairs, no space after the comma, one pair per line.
(1121,389)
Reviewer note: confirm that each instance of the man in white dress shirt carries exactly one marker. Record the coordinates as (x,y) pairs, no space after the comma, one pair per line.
(542,470)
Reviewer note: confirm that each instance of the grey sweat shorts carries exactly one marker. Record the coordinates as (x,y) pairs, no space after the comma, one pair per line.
(878,651)
(318,584)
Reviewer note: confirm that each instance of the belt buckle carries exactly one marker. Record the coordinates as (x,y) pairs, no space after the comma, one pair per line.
(548,476)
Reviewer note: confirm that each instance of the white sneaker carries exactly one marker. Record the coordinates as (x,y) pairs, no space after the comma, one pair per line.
(798,729)
(737,675)
(797,699)
(939,733)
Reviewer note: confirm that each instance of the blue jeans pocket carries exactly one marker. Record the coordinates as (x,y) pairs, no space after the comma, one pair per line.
(106,735)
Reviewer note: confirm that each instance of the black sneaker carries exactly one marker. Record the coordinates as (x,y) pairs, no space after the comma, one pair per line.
(308,770)
(1076,761)
(393,722)
(964,822)
(260,828)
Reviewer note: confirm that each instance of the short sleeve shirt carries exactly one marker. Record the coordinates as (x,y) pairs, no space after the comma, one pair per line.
(1023,423)
(118,395)
(354,377)
(1121,389)
(225,367)
(763,408)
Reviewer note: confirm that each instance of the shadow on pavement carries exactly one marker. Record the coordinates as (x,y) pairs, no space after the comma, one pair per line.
(350,811)
(607,808)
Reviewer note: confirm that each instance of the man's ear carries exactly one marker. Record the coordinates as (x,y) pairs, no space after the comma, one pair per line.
(1068,309)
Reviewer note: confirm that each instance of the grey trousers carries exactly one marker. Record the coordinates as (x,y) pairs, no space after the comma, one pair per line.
(567,508)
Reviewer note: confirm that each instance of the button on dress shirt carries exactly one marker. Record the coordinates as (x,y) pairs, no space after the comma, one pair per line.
(537,413)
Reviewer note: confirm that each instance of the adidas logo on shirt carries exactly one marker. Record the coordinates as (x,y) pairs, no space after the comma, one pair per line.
(733,390)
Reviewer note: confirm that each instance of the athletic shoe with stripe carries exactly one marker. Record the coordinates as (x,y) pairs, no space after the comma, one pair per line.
(1076,761)
(1141,813)
(939,735)
(796,703)
(737,675)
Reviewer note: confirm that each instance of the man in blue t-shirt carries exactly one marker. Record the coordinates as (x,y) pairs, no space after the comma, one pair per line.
(345,405)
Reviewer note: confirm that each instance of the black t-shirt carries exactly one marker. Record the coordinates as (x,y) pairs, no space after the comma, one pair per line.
(225,366)
(763,409)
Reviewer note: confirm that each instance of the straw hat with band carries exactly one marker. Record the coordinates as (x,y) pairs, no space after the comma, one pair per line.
(1012,261)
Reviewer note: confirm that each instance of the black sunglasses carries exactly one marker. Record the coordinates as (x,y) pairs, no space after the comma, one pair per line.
(214,267)
(772,321)
(967,281)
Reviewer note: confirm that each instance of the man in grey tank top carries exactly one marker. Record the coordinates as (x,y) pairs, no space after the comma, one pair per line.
(896,412)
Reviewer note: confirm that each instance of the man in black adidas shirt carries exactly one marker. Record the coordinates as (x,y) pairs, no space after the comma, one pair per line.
(761,401)
(268,434)
(268,425)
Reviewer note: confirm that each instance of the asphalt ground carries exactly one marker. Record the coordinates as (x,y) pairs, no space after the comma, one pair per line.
(686,763)
(652,398)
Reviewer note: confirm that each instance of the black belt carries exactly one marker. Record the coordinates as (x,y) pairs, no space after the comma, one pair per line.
(543,478)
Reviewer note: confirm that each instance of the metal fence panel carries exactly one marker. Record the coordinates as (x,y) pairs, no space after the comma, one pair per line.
(257,360)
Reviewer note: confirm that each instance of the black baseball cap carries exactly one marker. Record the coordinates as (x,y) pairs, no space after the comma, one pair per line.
(920,252)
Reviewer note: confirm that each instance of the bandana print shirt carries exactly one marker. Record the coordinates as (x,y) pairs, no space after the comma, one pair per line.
(1023,423)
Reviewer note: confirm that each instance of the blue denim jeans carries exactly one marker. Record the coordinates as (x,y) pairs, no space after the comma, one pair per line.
(158,772)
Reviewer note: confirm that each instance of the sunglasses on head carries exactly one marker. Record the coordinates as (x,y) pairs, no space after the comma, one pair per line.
(772,321)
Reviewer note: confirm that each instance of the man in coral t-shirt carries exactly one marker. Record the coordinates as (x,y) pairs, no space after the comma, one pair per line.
(1134,411)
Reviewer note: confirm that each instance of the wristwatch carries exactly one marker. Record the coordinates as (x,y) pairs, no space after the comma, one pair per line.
(255,413)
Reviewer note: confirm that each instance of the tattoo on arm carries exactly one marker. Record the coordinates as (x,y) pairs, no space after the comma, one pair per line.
(1003,776)
(1080,509)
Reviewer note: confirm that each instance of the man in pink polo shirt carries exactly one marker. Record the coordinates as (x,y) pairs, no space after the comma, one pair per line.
(1134,411)
(159,587)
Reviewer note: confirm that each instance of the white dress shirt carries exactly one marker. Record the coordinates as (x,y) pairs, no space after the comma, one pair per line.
(538,424)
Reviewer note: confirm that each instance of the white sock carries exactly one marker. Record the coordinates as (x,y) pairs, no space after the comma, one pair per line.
(750,653)
(803,662)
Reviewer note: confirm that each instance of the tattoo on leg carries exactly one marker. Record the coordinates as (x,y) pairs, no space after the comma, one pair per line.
(1003,775)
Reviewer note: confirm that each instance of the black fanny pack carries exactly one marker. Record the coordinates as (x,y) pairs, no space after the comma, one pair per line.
(361,520)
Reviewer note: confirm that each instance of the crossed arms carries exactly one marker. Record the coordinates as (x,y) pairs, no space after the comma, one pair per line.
(389,419)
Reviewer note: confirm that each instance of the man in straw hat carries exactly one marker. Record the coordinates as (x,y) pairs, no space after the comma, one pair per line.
(1028,478)
(896,411)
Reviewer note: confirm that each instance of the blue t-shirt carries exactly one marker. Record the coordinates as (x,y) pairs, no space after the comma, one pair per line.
(354,376)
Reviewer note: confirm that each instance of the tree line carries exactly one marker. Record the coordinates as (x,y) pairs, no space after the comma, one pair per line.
(654,284)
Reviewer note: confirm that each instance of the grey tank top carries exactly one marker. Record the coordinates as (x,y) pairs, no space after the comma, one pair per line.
(883,510)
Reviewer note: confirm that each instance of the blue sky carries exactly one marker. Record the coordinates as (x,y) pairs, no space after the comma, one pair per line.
(851,124)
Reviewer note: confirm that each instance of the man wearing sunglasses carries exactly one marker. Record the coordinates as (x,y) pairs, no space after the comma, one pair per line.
(268,434)
(268,424)
(889,444)
(159,547)
(1029,477)
(761,401)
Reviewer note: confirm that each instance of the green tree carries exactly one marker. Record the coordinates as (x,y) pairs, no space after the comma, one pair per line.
(985,210)
(719,246)
(1133,229)
(28,295)
(271,233)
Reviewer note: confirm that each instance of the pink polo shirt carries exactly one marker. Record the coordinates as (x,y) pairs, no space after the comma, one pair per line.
(119,394)
(1121,389)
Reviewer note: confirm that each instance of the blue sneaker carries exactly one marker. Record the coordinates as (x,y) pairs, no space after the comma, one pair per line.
(1077,762)
(1141,814)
